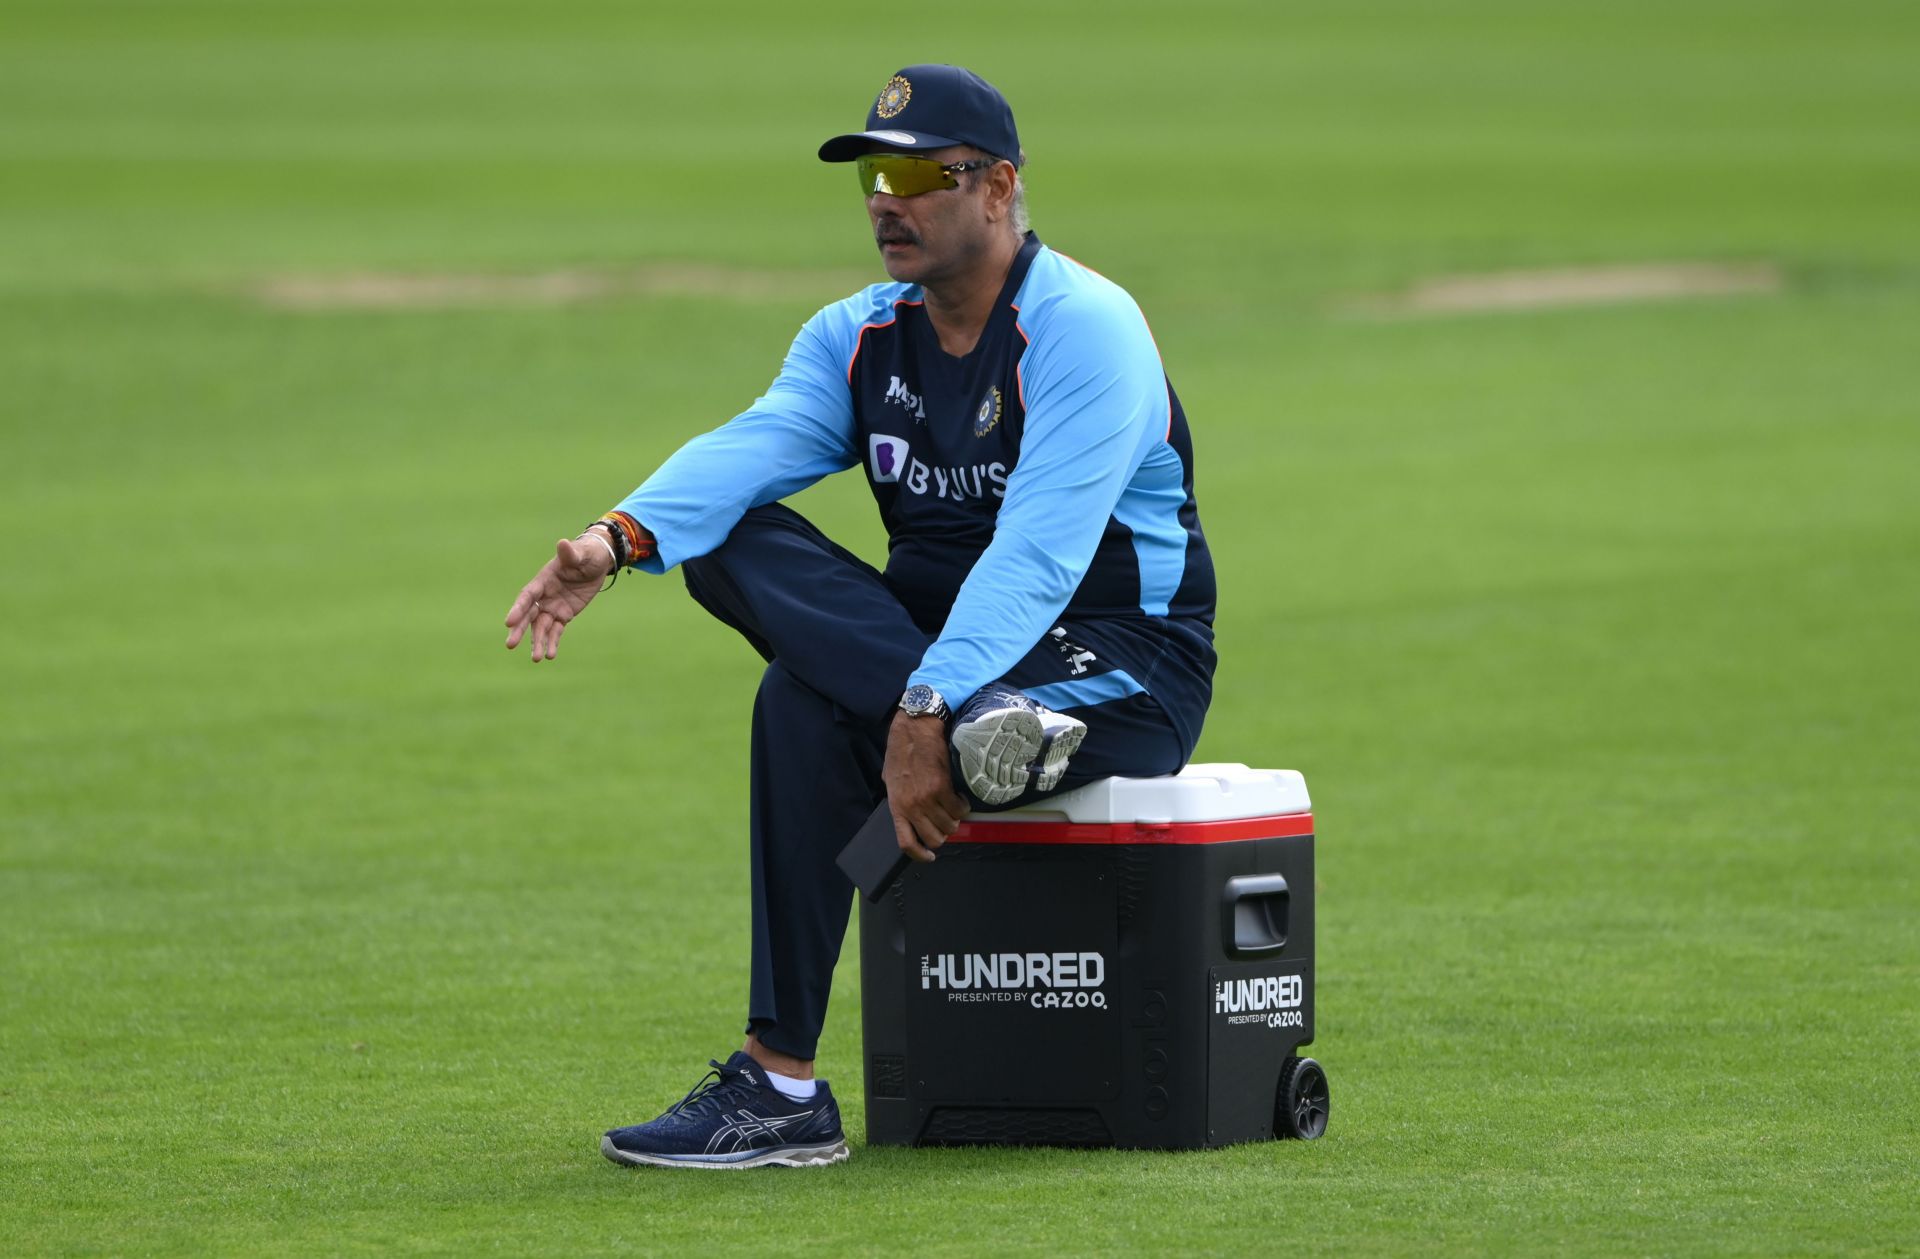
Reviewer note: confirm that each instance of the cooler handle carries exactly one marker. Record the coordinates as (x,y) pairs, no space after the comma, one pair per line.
(1254,920)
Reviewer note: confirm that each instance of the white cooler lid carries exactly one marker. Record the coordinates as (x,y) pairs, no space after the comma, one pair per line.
(1198,793)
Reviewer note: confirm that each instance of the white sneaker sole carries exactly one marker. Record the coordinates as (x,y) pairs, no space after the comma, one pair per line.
(1062,741)
(791,1156)
(999,751)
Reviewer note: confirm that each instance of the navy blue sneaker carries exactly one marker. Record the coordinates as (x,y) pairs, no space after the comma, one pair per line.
(1005,742)
(735,1117)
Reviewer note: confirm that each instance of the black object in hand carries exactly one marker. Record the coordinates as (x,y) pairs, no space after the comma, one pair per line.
(872,858)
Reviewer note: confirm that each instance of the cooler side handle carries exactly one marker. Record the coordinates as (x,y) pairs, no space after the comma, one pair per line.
(1254,913)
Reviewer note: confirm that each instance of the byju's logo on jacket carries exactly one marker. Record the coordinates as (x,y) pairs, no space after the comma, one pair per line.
(890,460)
(886,457)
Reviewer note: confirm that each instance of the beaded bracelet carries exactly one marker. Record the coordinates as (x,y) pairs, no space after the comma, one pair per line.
(615,540)
(640,544)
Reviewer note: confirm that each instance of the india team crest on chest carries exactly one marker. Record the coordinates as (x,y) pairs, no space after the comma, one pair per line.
(988,416)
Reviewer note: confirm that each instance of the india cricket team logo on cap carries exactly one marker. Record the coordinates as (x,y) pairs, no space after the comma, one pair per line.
(893,97)
(989,413)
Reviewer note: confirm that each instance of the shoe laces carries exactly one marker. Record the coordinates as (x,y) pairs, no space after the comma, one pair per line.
(716,1088)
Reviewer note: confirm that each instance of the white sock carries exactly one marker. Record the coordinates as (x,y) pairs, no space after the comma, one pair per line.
(797,1089)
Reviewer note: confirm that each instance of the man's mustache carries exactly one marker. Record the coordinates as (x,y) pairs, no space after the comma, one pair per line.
(894,232)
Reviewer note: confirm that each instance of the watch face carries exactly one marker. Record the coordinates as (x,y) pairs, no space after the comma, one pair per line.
(918,699)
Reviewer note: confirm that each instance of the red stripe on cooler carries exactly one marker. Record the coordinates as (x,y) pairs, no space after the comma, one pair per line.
(1220,832)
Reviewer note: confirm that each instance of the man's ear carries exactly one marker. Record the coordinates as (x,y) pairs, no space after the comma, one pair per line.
(1000,190)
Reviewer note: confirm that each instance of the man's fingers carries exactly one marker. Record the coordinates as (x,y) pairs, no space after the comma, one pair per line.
(944,813)
(522,605)
(903,833)
(521,620)
(931,833)
(547,635)
(575,559)
(931,823)
(558,582)
(934,815)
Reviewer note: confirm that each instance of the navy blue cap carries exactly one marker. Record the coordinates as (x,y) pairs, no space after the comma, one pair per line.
(933,107)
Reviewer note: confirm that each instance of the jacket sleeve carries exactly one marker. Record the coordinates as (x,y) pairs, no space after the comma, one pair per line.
(1096,405)
(799,431)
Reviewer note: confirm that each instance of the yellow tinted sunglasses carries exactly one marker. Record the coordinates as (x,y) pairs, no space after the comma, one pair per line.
(904,175)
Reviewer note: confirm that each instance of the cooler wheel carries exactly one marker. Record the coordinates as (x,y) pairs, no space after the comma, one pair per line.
(1304,1104)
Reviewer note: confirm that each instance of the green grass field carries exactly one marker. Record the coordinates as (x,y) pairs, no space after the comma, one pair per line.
(326,926)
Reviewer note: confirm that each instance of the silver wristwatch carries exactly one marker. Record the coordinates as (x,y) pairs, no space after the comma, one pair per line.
(924,701)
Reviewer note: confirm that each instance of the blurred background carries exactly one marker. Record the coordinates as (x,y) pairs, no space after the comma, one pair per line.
(1552,377)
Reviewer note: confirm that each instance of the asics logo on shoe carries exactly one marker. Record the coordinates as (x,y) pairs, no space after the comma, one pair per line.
(732,1120)
(743,1130)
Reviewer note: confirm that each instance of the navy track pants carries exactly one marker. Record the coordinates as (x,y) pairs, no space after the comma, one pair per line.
(839,646)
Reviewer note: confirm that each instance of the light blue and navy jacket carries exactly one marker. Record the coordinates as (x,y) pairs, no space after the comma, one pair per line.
(1045,477)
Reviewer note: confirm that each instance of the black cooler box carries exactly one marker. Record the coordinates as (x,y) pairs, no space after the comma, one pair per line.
(1129,963)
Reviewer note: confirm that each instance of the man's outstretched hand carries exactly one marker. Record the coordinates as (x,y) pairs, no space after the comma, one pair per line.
(920,785)
(564,586)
